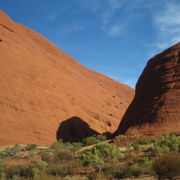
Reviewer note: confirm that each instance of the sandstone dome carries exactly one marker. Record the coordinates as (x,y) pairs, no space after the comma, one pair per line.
(42,87)
(155,109)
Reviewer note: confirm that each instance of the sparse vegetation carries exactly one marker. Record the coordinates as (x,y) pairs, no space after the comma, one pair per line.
(30,147)
(95,158)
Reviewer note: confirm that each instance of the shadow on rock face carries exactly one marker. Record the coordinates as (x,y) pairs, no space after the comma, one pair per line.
(74,130)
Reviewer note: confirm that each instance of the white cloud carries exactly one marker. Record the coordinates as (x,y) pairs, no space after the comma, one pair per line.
(116,30)
(167,23)
(106,11)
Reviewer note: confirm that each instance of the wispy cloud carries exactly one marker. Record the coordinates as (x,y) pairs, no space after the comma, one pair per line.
(167,24)
(71,29)
(106,11)
(116,30)
(54,15)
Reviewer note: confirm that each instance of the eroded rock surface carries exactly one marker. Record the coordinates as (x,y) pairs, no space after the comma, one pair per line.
(155,109)
(41,86)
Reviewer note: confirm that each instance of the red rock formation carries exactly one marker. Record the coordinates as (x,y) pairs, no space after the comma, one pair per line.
(41,86)
(155,109)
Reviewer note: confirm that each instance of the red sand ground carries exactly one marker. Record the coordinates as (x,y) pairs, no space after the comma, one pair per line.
(41,86)
(155,109)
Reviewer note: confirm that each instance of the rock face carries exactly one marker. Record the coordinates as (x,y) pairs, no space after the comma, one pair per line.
(41,87)
(155,109)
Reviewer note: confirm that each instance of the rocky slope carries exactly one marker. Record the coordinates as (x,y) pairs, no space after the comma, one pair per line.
(155,108)
(41,87)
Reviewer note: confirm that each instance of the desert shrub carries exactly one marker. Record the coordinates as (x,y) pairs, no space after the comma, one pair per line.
(135,171)
(167,166)
(101,137)
(93,158)
(135,146)
(126,171)
(175,134)
(31,155)
(90,141)
(61,155)
(148,170)
(11,151)
(45,177)
(2,155)
(19,171)
(61,169)
(36,172)
(115,171)
(145,161)
(77,145)
(144,141)
(31,147)
(121,137)
(166,143)
(120,173)
(128,156)
(160,150)
(47,156)
(41,164)
(57,145)
(2,172)
(94,139)
(100,154)
(2,175)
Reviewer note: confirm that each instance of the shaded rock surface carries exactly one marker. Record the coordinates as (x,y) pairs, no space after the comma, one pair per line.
(74,129)
(155,109)
(41,86)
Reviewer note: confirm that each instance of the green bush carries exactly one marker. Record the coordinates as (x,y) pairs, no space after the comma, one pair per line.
(115,171)
(144,141)
(41,164)
(36,172)
(47,156)
(31,155)
(167,166)
(136,147)
(11,151)
(24,171)
(145,161)
(135,171)
(62,155)
(167,143)
(90,141)
(61,169)
(94,139)
(2,155)
(100,154)
(126,171)
(57,145)
(121,138)
(101,137)
(31,147)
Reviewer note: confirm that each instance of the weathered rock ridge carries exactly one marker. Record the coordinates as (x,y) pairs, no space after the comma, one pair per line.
(155,109)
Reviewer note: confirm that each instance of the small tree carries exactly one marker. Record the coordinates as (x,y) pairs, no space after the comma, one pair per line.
(167,166)
(100,154)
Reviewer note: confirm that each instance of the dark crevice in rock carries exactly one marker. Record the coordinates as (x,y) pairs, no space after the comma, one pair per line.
(7,28)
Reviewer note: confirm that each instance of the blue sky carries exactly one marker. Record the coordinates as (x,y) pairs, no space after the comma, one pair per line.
(113,37)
